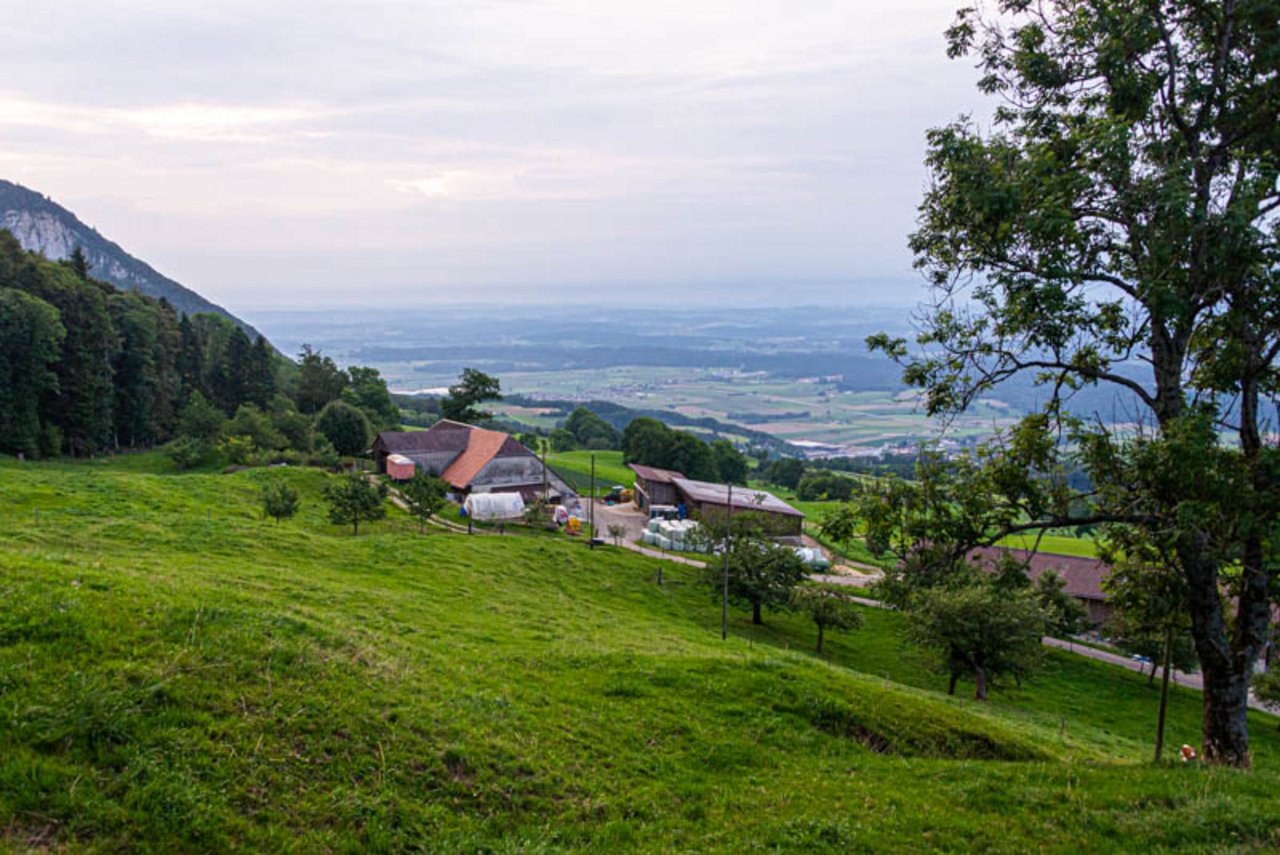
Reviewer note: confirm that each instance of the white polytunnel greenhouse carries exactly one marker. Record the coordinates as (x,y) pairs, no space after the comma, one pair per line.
(494,506)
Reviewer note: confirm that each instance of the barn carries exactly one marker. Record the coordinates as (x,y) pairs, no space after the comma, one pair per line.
(471,460)
(655,486)
(704,499)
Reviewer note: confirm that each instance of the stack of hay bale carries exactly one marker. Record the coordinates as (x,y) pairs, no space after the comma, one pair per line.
(673,535)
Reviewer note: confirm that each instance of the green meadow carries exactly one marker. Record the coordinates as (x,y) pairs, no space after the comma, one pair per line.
(178,675)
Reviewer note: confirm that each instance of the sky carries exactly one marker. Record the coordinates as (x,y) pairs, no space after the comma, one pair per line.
(274,153)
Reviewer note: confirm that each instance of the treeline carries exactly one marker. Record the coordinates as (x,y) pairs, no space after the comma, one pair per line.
(620,416)
(649,442)
(87,368)
(585,429)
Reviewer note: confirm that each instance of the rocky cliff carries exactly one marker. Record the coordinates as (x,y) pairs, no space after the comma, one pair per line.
(43,226)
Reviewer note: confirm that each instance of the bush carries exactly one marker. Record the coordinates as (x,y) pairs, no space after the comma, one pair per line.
(188,453)
(324,454)
(344,426)
(200,420)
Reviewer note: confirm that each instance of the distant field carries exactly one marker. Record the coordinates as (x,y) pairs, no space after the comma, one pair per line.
(787,409)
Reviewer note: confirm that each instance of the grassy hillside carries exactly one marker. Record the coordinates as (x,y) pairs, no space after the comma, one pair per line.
(575,468)
(177,675)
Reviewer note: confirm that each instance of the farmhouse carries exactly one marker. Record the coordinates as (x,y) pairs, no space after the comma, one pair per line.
(470,459)
(655,486)
(1083,576)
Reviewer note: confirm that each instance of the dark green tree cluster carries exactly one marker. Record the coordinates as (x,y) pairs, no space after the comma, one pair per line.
(1115,226)
(473,388)
(649,442)
(823,486)
(86,367)
(586,430)
(786,472)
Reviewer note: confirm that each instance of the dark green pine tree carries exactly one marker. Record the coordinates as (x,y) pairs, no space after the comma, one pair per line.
(191,358)
(79,263)
(83,409)
(260,380)
(234,373)
(30,346)
(136,380)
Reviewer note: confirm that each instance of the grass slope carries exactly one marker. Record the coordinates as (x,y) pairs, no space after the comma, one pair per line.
(177,675)
(575,468)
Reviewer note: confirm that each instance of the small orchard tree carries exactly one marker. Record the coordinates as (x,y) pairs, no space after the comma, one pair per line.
(425,495)
(279,501)
(762,575)
(840,526)
(354,499)
(344,426)
(829,606)
(979,629)
(617,531)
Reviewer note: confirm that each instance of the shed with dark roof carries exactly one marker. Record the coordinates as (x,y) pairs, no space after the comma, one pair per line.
(704,499)
(655,486)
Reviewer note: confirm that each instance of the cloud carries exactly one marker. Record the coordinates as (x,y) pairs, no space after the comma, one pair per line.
(484,142)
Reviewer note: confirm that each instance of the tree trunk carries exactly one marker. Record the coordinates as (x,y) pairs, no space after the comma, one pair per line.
(755,615)
(951,686)
(1164,690)
(819,639)
(980,676)
(1226,665)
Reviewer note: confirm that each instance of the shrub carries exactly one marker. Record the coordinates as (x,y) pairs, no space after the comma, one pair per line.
(279,501)
(344,426)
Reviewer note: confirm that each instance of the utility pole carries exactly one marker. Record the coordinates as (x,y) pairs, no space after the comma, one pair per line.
(1164,689)
(728,539)
(591,510)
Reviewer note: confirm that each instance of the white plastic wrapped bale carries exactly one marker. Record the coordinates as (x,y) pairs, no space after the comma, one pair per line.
(653,525)
(494,506)
(662,542)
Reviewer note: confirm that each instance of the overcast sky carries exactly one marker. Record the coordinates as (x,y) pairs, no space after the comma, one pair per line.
(312,153)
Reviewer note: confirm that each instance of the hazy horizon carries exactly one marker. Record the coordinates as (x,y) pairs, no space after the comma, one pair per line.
(406,153)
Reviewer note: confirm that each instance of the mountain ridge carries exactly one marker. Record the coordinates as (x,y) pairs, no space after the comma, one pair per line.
(42,225)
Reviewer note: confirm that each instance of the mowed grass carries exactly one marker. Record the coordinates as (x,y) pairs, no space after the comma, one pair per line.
(177,675)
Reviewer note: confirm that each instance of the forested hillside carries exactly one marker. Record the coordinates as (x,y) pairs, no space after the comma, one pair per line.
(85,367)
